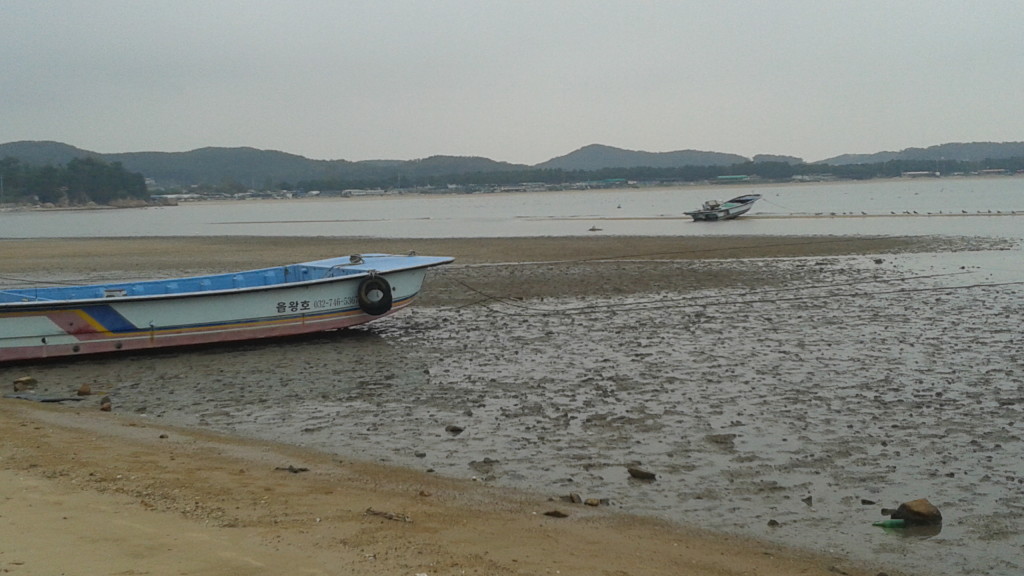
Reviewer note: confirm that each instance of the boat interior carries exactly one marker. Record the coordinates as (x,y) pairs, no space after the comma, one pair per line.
(231,281)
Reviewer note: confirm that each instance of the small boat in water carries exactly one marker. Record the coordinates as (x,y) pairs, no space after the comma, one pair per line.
(272,302)
(718,210)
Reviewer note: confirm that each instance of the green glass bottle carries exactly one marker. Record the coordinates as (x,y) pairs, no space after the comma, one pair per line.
(891,523)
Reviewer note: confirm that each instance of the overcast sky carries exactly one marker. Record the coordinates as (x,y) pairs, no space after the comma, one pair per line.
(518,81)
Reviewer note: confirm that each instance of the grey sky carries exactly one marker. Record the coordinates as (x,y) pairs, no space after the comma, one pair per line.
(519,81)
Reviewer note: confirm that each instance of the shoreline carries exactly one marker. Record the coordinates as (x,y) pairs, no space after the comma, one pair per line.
(698,185)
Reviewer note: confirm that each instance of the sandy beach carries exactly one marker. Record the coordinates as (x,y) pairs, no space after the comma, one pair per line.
(199,469)
(91,493)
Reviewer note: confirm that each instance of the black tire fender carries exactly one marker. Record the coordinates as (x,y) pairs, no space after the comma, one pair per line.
(375,296)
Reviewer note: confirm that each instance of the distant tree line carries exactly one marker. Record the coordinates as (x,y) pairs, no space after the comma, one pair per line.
(771,171)
(79,182)
(86,179)
(894,168)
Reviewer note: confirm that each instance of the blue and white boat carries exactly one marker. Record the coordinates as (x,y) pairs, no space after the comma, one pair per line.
(288,300)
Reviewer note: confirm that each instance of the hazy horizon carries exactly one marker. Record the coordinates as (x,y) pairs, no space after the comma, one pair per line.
(518,82)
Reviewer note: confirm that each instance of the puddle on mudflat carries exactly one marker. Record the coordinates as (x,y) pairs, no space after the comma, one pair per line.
(798,404)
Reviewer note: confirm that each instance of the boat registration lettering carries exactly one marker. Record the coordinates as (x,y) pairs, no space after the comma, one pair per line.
(293,306)
(334,302)
(320,304)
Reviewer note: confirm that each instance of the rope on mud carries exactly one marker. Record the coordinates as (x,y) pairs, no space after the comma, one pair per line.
(731,248)
(486,297)
(656,305)
(504,300)
(763,199)
(699,302)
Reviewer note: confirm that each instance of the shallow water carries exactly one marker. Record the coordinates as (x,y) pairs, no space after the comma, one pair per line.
(879,382)
(991,207)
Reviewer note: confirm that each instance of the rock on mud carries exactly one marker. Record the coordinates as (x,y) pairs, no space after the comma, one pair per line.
(918,512)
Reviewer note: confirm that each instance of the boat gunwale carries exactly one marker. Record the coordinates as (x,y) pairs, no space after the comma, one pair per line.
(51,304)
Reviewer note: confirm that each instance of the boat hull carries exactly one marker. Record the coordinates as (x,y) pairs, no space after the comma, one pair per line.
(38,330)
(714,210)
(725,214)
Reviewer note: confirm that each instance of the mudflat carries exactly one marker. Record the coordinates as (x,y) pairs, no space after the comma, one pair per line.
(594,263)
(87,491)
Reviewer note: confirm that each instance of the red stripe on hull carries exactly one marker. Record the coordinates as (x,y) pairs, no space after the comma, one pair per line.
(97,344)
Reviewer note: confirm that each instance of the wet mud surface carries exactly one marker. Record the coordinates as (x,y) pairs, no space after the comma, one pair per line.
(791,399)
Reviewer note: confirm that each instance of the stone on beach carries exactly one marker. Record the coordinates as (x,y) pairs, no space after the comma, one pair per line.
(724,441)
(24,383)
(640,473)
(918,512)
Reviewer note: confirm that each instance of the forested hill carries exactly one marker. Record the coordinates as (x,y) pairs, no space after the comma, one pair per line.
(251,167)
(41,152)
(957,151)
(599,157)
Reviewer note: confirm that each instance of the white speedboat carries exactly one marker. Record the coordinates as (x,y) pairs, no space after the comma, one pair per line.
(717,210)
